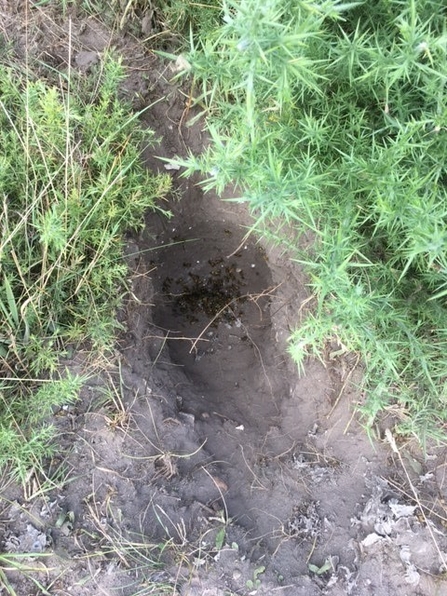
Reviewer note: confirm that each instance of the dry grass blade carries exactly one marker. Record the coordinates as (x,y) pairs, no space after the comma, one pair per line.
(391,440)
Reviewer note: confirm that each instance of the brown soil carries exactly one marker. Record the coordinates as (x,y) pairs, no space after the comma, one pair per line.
(198,433)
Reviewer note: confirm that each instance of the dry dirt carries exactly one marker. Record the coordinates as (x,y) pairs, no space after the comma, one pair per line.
(197,436)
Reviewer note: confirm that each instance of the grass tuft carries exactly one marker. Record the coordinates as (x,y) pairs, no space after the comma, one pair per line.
(71,184)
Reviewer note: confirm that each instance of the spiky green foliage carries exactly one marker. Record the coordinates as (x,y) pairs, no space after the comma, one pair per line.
(71,183)
(332,117)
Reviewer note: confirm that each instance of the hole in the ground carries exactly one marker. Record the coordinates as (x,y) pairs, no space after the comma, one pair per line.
(212,293)
(225,323)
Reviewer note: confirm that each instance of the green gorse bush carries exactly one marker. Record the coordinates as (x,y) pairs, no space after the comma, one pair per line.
(71,183)
(331,118)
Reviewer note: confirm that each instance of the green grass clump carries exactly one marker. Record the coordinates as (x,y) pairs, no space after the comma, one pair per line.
(332,117)
(71,184)
(182,17)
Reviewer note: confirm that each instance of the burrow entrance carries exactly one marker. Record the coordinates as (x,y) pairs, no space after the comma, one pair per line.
(213,297)
(212,300)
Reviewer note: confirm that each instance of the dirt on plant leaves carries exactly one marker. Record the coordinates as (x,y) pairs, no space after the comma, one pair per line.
(198,433)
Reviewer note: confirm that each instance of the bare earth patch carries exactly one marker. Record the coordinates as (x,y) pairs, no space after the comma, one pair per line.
(197,461)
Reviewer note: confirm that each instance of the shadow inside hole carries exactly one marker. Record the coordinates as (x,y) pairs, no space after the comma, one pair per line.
(212,300)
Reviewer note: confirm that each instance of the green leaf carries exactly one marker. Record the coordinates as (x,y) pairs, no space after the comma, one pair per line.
(258,571)
(11,312)
(220,538)
(327,566)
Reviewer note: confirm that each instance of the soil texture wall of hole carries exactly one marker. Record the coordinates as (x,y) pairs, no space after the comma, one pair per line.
(212,301)
(213,291)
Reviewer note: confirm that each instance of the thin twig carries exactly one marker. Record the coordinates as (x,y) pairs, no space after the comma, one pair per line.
(342,390)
